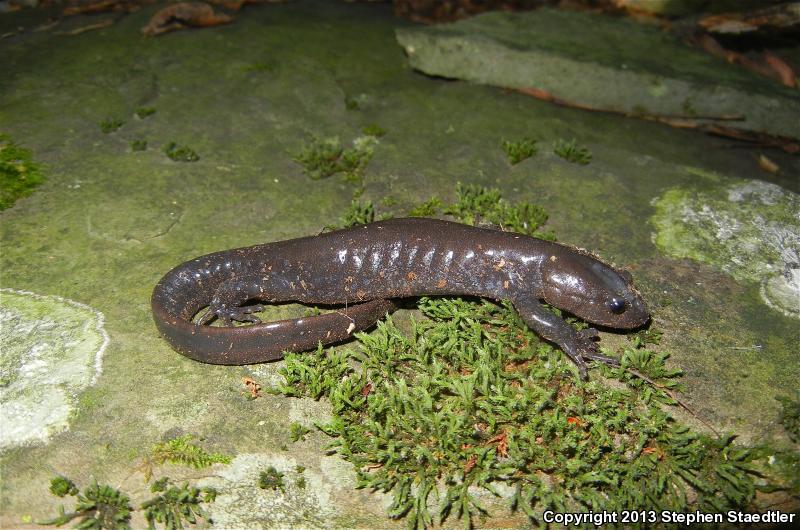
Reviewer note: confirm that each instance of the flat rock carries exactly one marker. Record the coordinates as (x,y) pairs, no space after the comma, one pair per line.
(110,220)
(617,65)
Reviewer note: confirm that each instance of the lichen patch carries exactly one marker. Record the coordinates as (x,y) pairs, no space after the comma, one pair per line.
(749,229)
(51,349)
(241,503)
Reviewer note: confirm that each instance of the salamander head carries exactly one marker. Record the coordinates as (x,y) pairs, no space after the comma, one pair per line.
(592,290)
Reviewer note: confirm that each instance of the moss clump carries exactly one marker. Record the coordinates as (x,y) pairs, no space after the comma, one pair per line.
(271,479)
(470,397)
(97,507)
(298,432)
(572,152)
(144,112)
(359,213)
(479,205)
(180,153)
(180,450)
(110,125)
(138,145)
(373,129)
(62,486)
(790,416)
(428,208)
(519,150)
(300,482)
(176,505)
(19,175)
(323,158)
(105,508)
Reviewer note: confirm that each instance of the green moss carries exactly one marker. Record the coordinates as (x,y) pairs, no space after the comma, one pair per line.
(19,175)
(62,486)
(572,152)
(180,450)
(351,103)
(300,482)
(271,479)
(322,158)
(517,151)
(180,153)
(790,416)
(298,432)
(479,205)
(358,213)
(175,506)
(110,125)
(144,112)
(429,208)
(470,397)
(97,507)
(263,66)
(373,129)
(138,145)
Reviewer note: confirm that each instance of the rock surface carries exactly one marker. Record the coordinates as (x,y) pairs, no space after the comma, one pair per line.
(616,64)
(111,220)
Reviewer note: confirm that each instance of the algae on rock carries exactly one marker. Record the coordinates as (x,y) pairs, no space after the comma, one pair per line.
(749,229)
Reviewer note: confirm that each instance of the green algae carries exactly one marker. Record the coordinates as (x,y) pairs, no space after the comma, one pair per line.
(19,175)
(749,229)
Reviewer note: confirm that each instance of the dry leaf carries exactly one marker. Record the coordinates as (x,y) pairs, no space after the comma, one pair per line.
(784,71)
(768,165)
(179,16)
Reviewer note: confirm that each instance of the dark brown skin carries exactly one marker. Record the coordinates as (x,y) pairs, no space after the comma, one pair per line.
(365,267)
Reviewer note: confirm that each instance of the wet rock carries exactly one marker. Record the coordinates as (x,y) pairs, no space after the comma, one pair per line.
(750,229)
(605,69)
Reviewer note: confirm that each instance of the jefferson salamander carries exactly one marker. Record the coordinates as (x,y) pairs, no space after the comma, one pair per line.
(367,266)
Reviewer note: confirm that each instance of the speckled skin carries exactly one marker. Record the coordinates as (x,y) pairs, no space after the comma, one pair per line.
(371,264)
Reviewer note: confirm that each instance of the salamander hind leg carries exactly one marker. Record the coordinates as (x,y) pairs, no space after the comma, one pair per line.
(229,303)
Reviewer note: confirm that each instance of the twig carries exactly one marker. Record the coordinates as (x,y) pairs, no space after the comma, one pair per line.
(672,395)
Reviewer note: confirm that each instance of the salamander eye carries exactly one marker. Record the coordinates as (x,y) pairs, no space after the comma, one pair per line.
(617,306)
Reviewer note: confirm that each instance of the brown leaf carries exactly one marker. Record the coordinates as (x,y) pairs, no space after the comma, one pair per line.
(502,444)
(473,459)
(784,71)
(768,165)
(179,16)
(252,387)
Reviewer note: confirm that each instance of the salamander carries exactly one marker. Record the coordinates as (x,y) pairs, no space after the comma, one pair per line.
(366,267)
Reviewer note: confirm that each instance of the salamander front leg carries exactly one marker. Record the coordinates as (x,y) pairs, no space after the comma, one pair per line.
(579,346)
(229,301)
